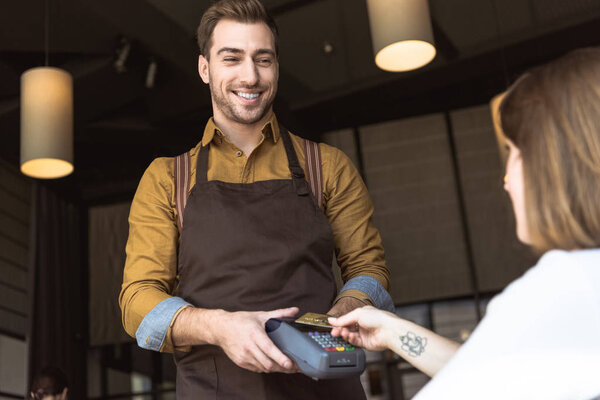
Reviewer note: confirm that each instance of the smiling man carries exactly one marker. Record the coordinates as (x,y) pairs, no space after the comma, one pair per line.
(265,211)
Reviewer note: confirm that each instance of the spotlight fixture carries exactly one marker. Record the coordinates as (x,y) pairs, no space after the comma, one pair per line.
(151,74)
(122,55)
(328,47)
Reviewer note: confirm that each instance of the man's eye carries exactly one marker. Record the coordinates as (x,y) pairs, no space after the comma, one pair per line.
(230,59)
(264,61)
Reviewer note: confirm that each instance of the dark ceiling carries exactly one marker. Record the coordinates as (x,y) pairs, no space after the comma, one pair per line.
(121,125)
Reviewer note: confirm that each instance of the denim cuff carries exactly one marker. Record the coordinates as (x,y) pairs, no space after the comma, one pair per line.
(373,289)
(151,333)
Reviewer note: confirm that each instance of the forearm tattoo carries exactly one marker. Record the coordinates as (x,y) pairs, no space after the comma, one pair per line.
(412,344)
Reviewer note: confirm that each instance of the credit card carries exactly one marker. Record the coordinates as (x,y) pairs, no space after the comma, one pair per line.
(314,319)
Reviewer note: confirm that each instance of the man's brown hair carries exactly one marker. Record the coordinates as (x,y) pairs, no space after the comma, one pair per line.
(246,11)
(552,115)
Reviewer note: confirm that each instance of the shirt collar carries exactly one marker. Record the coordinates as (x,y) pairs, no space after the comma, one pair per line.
(269,129)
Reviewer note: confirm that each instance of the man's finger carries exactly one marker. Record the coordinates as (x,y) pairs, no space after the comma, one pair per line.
(283,312)
(262,362)
(270,350)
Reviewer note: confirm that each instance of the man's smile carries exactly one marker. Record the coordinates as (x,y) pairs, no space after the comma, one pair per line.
(248,97)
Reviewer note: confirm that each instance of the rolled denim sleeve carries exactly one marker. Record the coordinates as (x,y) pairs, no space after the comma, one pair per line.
(372,288)
(152,331)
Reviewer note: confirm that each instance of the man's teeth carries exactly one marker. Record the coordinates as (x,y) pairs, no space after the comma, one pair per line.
(249,96)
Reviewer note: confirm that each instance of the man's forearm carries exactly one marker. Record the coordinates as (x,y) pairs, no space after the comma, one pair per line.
(196,326)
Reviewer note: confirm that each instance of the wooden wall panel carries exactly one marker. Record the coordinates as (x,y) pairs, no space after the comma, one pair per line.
(15,202)
(14,228)
(409,172)
(13,252)
(108,232)
(13,205)
(15,297)
(13,274)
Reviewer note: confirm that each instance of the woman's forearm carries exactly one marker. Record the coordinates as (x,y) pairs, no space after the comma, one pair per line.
(422,348)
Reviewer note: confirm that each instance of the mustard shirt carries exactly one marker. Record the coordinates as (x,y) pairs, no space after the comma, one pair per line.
(151,266)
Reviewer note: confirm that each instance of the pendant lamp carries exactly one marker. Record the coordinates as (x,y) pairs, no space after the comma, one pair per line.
(401,33)
(46,120)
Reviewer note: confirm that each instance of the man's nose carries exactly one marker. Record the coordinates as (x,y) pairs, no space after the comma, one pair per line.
(249,74)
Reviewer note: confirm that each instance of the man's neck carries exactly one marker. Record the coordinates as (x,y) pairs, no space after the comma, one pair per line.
(245,136)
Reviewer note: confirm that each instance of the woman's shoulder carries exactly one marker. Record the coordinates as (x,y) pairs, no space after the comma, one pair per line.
(567,265)
(558,276)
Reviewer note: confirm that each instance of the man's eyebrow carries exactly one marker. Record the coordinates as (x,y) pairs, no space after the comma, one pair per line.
(261,52)
(230,50)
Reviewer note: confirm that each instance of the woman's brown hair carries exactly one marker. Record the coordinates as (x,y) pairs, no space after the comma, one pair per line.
(552,115)
(246,11)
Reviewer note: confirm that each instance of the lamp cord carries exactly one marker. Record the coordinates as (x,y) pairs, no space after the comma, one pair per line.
(46,30)
(502,47)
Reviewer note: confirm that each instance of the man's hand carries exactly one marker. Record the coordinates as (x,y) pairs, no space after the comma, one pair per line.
(344,306)
(246,343)
(240,334)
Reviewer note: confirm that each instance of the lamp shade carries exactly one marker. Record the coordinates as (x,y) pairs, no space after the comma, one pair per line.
(401,33)
(46,123)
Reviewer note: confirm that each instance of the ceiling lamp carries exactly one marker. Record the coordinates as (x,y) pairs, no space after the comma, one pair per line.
(46,121)
(401,33)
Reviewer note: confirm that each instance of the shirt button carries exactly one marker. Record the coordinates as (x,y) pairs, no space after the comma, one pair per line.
(239,154)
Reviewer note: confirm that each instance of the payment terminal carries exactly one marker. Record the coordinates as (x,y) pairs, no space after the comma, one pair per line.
(317,353)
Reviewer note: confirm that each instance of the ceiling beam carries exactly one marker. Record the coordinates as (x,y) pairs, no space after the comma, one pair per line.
(289,6)
(443,43)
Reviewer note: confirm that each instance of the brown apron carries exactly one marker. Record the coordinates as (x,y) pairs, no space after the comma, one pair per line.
(254,247)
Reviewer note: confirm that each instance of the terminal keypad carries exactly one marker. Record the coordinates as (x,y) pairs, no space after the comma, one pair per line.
(330,343)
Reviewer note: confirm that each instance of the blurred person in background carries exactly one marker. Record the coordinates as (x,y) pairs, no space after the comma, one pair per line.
(50,384)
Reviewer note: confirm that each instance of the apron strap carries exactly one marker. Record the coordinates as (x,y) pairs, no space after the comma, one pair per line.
(298,178)
(181,169)
(202,164)
(312,154)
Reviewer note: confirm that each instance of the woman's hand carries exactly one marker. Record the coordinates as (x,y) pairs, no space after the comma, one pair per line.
(365,327)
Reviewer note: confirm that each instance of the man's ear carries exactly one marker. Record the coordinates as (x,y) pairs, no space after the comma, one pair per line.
(63,395)
(203,68)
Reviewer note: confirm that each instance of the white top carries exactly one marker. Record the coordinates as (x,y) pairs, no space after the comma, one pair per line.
(540,338)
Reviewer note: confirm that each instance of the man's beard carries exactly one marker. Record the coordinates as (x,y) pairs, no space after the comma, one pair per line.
(237,112)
